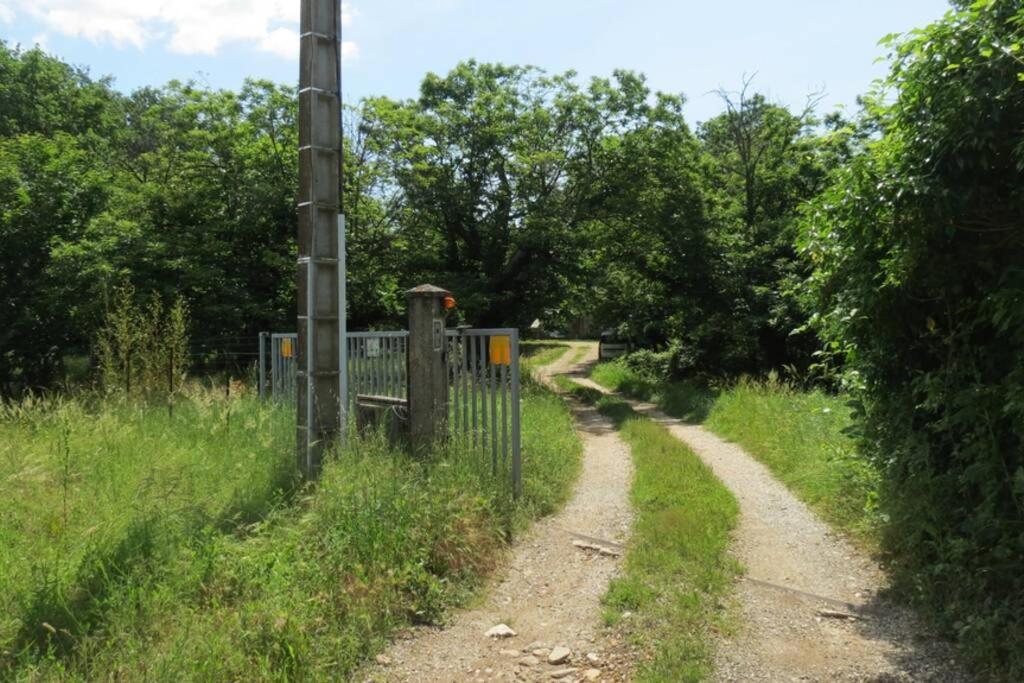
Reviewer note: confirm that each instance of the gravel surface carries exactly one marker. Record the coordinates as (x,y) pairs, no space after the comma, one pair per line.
(784,634)
(550,592)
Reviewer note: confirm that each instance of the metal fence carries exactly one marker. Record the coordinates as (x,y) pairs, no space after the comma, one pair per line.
(283,355)
(483,383)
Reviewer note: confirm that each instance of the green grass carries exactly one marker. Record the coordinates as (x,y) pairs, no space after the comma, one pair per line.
(535,354)
(677,571)
(143,547)
(798,434)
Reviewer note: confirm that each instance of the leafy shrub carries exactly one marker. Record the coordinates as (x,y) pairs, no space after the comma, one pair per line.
(143,350)
(919,289)
(649,364)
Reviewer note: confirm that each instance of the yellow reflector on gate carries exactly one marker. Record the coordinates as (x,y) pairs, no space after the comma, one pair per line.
(501,350)
(286,348)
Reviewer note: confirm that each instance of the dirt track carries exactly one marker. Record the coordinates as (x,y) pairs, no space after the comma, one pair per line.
(809,607)
(800,578)
(550,592)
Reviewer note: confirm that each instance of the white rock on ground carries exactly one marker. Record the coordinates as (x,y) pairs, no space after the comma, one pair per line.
(559,655)
(500,631)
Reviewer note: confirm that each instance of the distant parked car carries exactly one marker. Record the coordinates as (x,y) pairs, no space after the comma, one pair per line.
(611,345)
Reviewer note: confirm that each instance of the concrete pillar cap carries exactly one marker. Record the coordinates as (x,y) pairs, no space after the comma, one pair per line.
(427,290)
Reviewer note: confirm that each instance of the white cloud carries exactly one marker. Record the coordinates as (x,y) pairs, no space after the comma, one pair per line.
(185,26)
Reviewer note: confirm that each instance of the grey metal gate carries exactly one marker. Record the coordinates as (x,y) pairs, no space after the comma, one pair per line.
(483,395)
(483,384)
(377,364)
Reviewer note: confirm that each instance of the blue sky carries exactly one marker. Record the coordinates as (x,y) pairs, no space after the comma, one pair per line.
(683,46)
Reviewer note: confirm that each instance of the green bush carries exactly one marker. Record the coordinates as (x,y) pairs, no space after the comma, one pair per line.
(649,364)
(919,291)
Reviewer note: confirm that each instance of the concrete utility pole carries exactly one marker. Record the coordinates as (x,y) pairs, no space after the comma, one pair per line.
(427,373)
(319,272)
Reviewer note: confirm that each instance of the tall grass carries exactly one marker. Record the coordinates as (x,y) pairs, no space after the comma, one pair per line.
(187,550)
(800,435)
(677,570)
(98,496)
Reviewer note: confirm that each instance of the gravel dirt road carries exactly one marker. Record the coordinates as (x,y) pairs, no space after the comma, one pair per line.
(801,579)
(810,606)
(550,591)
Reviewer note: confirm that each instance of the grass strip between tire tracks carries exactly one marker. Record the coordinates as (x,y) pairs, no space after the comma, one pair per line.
(670,599)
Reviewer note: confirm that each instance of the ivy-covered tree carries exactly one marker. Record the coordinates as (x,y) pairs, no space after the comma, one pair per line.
(918,248)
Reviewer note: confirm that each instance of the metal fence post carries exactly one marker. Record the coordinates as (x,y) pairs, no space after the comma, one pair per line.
(263,365)
(517,476)
(427,372)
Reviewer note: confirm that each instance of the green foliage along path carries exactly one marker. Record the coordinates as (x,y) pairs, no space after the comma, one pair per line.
(918,290)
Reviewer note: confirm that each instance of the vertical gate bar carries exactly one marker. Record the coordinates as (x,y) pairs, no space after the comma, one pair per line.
(484,434)
(504,415)
(472,382)
(273,358)
(494,416)
(371,365)
(396,371)
(382,363)
(382,367)
(263,366)
(454,361)
(378,376)
(465,383)
(379,368)
(370,385)
(516,465)
(393,371)
(400,367)
(481,342)
(357,368)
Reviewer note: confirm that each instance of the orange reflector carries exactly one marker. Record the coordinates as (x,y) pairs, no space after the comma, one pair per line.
(286,348)
(501,350)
